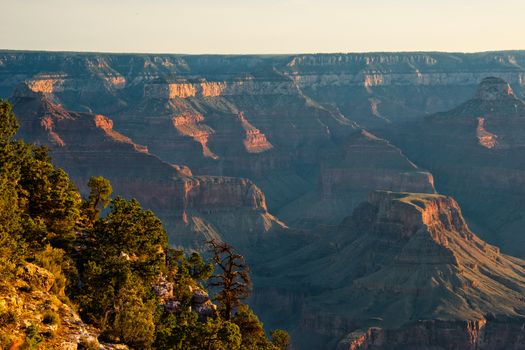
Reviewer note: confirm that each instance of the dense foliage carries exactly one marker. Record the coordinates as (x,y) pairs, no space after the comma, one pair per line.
(111,267)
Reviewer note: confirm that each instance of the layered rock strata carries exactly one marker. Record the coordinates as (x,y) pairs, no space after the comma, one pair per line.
(197,208)
(476,153)
(402,272)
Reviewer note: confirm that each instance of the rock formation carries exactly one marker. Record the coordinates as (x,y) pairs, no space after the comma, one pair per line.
(475,152)
(296,110)
(361,163)
(307,137)
(30,303)
(197,208)
(405,271)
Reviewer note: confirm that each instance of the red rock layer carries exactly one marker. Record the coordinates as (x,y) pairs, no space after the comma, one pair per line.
(87,145)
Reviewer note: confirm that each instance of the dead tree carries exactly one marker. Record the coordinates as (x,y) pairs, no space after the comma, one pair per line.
(232,278)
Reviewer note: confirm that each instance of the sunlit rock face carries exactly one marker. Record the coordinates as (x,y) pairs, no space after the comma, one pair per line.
(172,90)
(30,297)
(288,123)
(394,86)
(403,271)
(194,209)
(475,152)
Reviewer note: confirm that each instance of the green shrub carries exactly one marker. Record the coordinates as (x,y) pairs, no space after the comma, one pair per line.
(281,339)
(33,337)
(50,318)
(59,264)
(8,317)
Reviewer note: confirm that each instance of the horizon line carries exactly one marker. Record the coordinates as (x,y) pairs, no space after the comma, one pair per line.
(261,54)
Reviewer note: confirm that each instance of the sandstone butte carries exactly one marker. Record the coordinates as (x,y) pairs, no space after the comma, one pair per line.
(475,152)
(404,271)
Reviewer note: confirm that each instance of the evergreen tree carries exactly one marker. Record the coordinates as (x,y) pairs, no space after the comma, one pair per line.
(50,203)
(100,191)
(281,339)
(10,224)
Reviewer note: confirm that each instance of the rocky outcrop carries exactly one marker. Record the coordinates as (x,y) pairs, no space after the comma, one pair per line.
(493,89)
(405,271)
(193,208)
(255,141)
(37,277)
(209,193)
(447,335)
(215,89)
(28,303)
(47,85)
(200,301)
(362,163)
(475,152)
(369,163)
(190,124)
(486,138)
(494,101)
(106,125)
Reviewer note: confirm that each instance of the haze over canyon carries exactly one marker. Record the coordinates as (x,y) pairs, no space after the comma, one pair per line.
(378,198)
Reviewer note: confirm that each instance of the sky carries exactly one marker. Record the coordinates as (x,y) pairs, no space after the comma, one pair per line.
(262,26)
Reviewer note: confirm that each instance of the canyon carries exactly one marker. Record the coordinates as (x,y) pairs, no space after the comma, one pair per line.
(199,208)
(403,271)
(475,152)
(333,173)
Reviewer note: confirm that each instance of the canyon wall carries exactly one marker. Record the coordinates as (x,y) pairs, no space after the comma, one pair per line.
(404,271)
(446,335)
(475,152)
(193,208)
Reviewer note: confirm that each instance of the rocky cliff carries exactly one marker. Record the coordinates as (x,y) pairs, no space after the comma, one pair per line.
(377,87)
(272,119)
(29,309)
(408,265)
(371,88)
(426,335)
(475,152)
(249,86)
(196,208)
(361,162)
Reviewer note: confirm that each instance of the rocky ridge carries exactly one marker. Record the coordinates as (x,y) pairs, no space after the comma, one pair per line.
(416,272)
(199,207)
(475,152)
(362,163)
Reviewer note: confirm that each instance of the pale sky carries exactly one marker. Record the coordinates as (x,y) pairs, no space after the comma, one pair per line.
(262,26)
